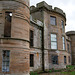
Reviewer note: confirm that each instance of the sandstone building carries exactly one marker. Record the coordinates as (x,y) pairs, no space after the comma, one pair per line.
(71,34)
(48,27)
(35,41)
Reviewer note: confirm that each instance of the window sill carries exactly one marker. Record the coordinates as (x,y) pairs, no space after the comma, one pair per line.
(54,49)
(53,25)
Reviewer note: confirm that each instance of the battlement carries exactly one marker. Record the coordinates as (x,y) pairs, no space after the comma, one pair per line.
(48,7)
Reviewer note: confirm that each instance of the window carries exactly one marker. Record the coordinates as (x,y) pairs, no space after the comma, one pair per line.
(31,38)
(53,41)
(69,59)
(7,27)
(54,59)
(63,38)
(31,60)
(64,59)
(68,47)
(62,22)
(52,20)
(5,61)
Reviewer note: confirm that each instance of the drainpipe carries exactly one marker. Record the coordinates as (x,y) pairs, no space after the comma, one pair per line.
(42,13)
(43,49)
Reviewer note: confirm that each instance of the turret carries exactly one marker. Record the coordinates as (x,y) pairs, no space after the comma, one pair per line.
(14,37)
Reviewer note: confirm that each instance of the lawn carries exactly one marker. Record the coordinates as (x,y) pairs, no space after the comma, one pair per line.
(70,70)
(69,73)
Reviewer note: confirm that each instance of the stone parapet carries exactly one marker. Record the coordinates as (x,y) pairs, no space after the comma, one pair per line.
(48,7)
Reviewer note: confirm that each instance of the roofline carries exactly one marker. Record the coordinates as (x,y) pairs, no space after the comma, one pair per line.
(70,33)
(44,5)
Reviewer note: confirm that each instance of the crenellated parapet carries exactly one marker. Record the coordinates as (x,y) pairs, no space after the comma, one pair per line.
(48,7)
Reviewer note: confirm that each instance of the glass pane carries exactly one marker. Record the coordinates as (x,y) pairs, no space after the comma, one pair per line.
(53,37)
(8,53)
(63,46)
(7,69)
(62,25)
(5,63)
(52,20)
(53,41)
(63,43)
(53,45)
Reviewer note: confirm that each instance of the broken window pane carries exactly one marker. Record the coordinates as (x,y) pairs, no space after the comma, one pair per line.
(5,61)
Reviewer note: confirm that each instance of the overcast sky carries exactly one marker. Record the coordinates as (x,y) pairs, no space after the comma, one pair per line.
(68,6)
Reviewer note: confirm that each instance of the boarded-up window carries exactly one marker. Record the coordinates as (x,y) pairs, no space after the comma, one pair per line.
(5,60)
(7,27)
(31,60)
(31,38)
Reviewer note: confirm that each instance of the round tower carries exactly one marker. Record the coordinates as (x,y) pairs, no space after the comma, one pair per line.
(14,37)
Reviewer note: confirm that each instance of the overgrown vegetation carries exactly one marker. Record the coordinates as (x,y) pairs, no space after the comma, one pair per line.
(70,70)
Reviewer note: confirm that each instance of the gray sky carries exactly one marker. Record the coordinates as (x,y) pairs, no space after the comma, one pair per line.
(68,6)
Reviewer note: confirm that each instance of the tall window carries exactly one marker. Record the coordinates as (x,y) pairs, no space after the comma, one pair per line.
(62,22)
(5,61)
(31,38)
(64,59)
(31,60)
(68,47)
(52,20)
(7,27)
(69,60)
(54,59)
(53,41)
(63,39)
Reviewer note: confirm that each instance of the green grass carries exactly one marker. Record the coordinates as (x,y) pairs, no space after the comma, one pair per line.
(33,73)
(68,73)
(70,70)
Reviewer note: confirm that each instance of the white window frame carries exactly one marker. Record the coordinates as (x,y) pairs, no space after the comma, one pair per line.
(63,40)
(54,40)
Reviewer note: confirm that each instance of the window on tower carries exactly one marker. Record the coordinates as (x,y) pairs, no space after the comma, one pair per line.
(31,38)
(7,27)
(5,60)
